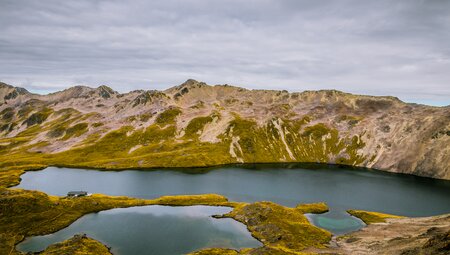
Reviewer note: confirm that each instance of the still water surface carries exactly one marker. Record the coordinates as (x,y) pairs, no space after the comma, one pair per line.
(157,230)
(287,184)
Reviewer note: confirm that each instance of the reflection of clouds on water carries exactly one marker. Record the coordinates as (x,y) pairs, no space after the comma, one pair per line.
(163,229)
(336,222)
(341,188)
(197,211)
(225,224)
(232,226)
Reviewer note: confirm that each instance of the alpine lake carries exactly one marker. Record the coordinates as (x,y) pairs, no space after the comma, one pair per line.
(179,230)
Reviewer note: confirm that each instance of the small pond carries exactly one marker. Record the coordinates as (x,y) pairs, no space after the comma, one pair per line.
(153,230)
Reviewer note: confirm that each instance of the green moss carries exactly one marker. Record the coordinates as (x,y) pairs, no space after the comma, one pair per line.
(351,120)
(279,140)
(317,131)
(145,117)
(197,124)
(57,132)
(313,208)
(249,133)
(115,146)
(351,149)
(184,200)
(9,178)
(246,251)
(215,251)
(38,117)
(97,124)
(77,245)
(7,114)
(131,118)
(280,227)
(67,112)
(76,131)
(287,140)
(61,125)
(372,217)
(296,125)
(31,131)
(168,116)
(24,111)
(110,144)
(8,127)
(258,144)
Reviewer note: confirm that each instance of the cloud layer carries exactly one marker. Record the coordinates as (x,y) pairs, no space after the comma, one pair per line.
(398,48)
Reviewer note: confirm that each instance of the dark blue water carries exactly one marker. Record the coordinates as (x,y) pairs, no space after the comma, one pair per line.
(341,188)
(155,230)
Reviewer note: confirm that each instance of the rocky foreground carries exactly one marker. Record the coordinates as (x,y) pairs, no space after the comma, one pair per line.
(405,236)
(195,124)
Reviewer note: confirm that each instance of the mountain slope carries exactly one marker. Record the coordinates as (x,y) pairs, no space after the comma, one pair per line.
(195,124)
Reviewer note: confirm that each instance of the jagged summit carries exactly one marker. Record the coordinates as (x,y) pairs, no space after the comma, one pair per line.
(4,85)
(8,92)
(105,91)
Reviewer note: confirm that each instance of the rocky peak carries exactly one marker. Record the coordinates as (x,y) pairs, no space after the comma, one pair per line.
(189,82)
(105,91)
(8,92)
(186,87)
(77,91)
(5,86)
(148,97)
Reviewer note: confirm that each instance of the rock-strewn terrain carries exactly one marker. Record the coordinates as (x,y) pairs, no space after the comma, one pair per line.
(195,124)
(405,236)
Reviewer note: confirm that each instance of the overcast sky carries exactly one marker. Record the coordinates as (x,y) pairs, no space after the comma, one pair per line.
(399,48)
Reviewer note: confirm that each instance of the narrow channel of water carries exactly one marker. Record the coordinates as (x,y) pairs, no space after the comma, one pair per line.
(154,230)
(287,184)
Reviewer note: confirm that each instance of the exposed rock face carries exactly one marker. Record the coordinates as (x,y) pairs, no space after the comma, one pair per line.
(195,124)
(407,236)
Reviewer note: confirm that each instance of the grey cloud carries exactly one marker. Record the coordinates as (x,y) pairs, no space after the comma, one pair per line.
(385,47)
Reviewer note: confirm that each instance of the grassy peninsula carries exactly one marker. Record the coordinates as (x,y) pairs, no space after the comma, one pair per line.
(26,213)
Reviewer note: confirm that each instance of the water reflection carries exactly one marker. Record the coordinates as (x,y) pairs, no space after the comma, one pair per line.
(287,184)
(155,230)
(337,222)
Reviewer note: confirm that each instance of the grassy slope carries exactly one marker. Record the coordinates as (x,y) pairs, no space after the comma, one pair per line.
(279,140)
(77,245)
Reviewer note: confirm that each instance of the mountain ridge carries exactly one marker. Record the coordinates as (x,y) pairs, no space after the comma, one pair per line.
(195,124)
(192,81)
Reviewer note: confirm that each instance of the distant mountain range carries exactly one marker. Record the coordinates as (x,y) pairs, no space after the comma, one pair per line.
(195,124)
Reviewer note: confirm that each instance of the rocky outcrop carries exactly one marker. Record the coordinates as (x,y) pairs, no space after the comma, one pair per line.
(406,236)
(207,125)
